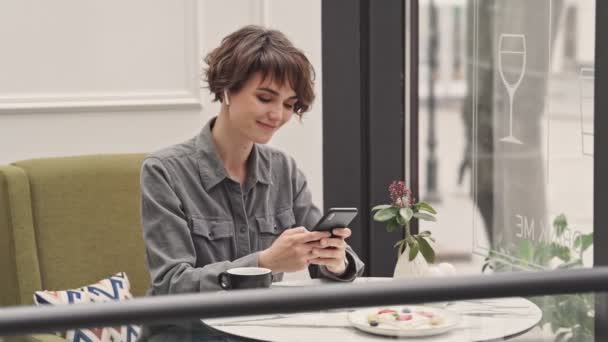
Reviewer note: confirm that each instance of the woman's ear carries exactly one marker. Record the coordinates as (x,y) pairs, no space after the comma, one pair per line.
(226,100)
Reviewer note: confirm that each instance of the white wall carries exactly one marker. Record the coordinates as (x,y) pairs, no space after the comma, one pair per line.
(84,76)
(81,77)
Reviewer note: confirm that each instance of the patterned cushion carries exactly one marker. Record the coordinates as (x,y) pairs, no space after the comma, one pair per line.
(116,287)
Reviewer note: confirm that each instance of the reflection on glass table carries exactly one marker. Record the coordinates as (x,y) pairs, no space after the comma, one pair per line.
(470,320)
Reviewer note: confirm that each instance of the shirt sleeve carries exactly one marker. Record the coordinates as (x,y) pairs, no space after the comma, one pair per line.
(307,214)
(170,251)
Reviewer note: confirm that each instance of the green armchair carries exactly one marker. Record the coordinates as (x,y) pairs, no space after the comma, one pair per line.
(67,222)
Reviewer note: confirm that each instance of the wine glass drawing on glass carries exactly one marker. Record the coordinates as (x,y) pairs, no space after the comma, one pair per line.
(512,67)
(586,79)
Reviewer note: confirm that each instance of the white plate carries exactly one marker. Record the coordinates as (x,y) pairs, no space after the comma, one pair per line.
(358,319)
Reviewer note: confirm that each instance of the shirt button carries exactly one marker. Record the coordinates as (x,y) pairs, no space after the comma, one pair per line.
(243,229)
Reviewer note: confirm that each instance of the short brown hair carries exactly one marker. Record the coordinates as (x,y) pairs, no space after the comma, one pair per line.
(254,49)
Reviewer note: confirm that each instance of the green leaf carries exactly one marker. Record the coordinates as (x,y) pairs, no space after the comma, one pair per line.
(562,252)
(400,245)
(385,214)
(400,220)
(425,216)
(381,206)
(425,207)
(582,242)
(554,326)
(406,214)
(413,250)
(587,241)
(402,248)
(577,242)
(425,233)
(560,223)
(410,239)
(542,254)
(425,248)
(392,226)
(526,251)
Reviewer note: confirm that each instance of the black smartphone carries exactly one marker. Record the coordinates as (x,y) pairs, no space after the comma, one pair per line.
(335,218)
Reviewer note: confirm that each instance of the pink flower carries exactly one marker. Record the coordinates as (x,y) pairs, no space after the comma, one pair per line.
(400,195)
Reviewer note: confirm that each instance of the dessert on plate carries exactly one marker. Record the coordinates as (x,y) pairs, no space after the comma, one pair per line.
(405,318)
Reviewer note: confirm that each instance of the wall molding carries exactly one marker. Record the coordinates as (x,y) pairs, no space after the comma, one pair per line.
(187,97)
(96,102)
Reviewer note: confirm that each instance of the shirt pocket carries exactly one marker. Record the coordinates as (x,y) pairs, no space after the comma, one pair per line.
(270,227)
(213,240)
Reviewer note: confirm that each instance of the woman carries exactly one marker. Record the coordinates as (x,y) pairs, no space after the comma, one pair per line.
(223,199)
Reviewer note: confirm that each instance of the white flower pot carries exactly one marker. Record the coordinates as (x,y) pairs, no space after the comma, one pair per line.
(411,269)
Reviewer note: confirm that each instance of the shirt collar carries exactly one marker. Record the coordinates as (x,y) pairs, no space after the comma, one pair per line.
(258,166)
(211,167)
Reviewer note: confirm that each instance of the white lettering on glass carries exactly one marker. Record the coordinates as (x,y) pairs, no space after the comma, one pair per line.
(526,230)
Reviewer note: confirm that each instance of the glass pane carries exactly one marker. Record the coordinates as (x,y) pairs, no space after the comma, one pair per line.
(516,318)
(506,148)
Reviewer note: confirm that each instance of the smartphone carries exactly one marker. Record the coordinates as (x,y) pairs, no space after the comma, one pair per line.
(335,218)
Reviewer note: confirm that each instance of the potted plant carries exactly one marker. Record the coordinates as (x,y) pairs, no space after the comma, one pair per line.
(415,251)
(570,317)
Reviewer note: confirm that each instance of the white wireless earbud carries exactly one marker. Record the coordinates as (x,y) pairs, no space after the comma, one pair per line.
(226,97)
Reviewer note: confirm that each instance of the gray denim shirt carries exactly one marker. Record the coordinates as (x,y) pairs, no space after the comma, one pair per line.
(197,222)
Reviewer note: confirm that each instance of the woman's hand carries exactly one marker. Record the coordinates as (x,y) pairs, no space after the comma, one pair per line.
(292,251)
(331,251)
